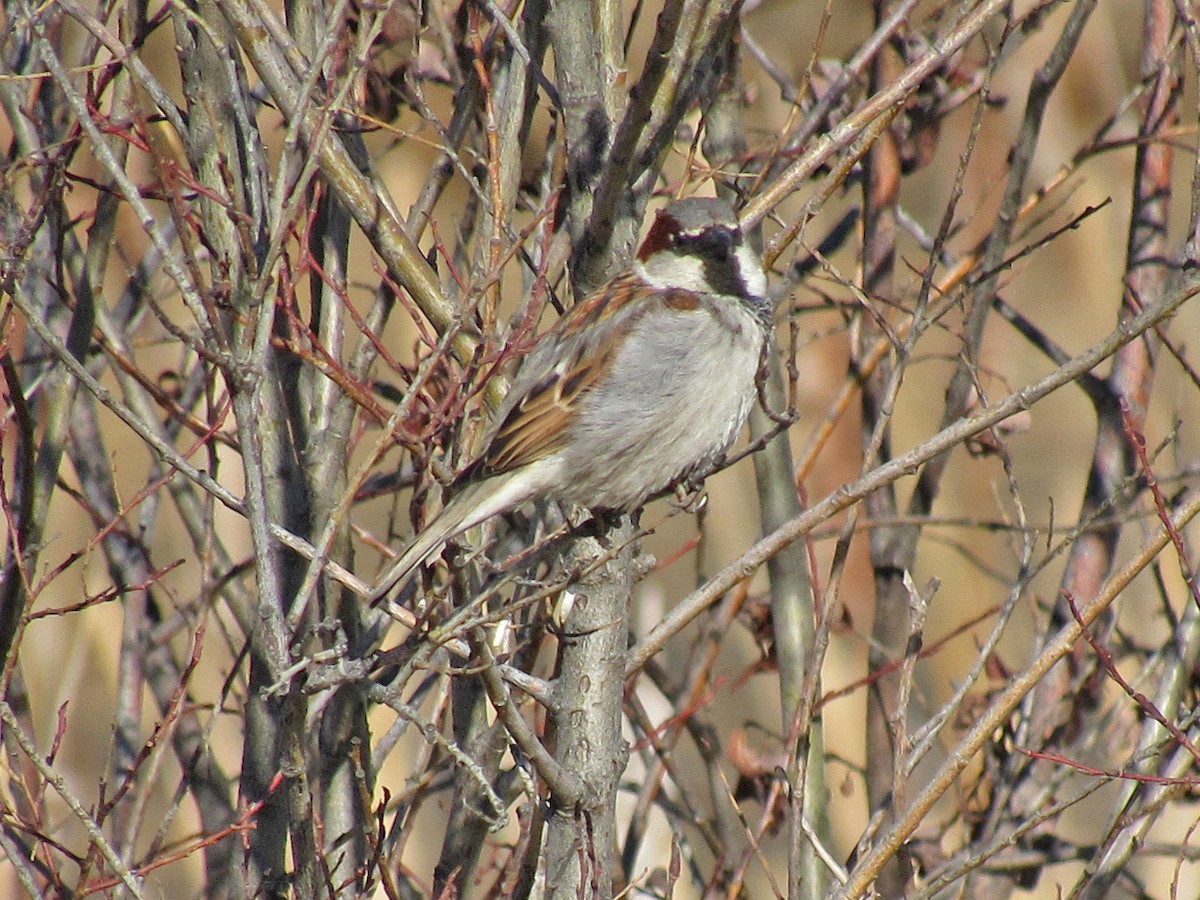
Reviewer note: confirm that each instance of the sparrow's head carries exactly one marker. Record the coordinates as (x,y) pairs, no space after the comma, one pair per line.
(697,245)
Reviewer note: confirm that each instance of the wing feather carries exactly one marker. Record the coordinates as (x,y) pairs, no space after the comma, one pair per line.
(569,359)
(537,425)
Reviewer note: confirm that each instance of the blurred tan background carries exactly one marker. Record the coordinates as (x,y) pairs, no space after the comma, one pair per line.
(1071,288)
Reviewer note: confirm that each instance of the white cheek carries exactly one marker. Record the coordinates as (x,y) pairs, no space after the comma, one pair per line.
(669,270)
(752,271)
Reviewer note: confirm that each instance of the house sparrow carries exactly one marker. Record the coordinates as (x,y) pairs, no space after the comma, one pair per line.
(643,384)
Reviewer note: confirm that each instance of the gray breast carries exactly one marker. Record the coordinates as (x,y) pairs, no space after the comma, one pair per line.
(678,395)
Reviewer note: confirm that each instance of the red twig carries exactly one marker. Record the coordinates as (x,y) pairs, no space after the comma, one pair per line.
(1144,702)
(242,825)
(925,652)
(173,708)
(1107,773)
(1138,442)
(105,596)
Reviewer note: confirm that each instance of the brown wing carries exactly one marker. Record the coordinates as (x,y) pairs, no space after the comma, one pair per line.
(537,424)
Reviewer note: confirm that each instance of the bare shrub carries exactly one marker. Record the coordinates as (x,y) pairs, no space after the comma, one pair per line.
(264,273)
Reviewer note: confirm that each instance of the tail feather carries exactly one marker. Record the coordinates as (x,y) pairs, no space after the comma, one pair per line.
(398,572)
(475,503)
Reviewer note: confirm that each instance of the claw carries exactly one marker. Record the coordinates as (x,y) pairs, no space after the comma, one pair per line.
(690,497)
